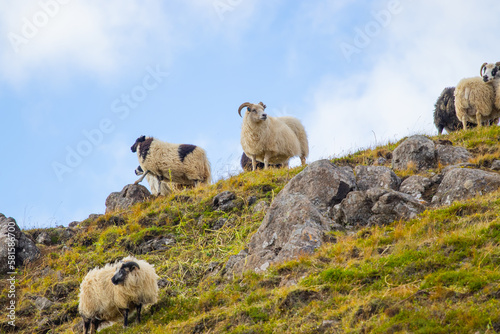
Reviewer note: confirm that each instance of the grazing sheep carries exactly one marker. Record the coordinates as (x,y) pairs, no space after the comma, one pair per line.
(246,163)
(272,140)
(474,101)
(178,163)
(109,292)
(158,187)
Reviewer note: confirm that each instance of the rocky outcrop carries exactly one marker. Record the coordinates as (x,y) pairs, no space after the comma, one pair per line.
(463,183)
(296,223)
(450,155)
(376,177)
(13,239)
(130,195)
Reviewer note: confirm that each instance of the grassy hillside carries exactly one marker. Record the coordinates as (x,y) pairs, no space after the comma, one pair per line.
(439,273)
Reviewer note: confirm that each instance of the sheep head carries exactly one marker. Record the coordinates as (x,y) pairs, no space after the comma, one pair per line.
(255,111)
(490,71)
(137,142)
(122,272)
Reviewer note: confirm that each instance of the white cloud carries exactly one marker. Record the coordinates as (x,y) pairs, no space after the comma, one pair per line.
(428,46)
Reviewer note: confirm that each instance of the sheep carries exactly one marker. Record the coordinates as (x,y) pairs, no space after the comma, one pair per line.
(272,140)
(490,74)
(179,163)
(246,163)
(474,101)
(445,117)
(109,292)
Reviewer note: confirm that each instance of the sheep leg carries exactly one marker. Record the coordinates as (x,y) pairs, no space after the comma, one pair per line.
(139,308)
(479,120)
(141,178)
(125,318)
(86,325)
(254,163)
(303,161)
(94,325)
(464,123)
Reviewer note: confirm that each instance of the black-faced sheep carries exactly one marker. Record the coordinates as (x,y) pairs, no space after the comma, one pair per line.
(180,163)
(491,74)
(271,140)
(110,292)
(474,101)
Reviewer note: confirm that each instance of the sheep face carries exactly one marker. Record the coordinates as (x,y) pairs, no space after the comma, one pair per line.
(490,72)
(256,112)
(139,171)
(137,142)
(122,272)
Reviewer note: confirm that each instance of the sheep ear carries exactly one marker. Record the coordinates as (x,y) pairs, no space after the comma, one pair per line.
(130,265)
(263,105)
(497,64)
(141,139)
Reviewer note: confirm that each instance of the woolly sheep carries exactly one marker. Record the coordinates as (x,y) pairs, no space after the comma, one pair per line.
(474,101)
(272,140)
(109,292)
(491,74)
(180,163)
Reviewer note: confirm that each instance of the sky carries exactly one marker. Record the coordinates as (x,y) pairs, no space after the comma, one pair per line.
(81,80)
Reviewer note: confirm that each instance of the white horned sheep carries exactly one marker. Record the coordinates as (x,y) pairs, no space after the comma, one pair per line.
(271,140)
(179,163)
(491,74)
(110,292)
(474,100)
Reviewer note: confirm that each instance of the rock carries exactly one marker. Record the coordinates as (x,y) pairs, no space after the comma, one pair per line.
(376,176)
(260,206)
(450,155)
(417,186)
(130,195)
(219,224)
(43,303)
(463,183)
(233,260)
(226,201)
(157,244)
(323,183)
(74,224)
(417,152)
(495,165)
(25,249)
(376,206)
(251,200)
(293,226)
(44,238)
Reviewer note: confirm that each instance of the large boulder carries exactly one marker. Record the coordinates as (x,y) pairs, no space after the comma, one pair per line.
(13,239)
(376,206)
(463,183)
(417,186)
(130,195)
(376,177)
(296,222)
(416,152)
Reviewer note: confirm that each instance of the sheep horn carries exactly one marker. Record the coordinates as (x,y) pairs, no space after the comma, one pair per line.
(482,68)
(246,104)
(497,64)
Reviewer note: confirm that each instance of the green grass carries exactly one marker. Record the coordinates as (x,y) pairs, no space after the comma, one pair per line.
(438,273)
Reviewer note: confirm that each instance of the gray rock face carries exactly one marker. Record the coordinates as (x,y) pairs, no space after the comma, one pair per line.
(225,201)
(295,223)
(416,186)
(376,206)
(417,151)
(24,248)
(450,155)
(130,195)
(376,177)
(43,303)
(463,183)
(495,165)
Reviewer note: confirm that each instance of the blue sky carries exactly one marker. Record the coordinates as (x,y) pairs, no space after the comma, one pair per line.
(81,80)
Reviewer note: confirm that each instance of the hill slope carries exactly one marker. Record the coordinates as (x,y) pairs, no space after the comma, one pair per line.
(439,273)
